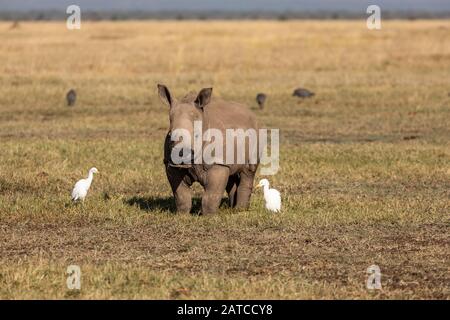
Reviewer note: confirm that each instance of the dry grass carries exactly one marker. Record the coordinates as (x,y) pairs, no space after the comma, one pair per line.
(364,165)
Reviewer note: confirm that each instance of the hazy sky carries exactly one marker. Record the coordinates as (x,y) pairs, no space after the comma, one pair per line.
(237,5)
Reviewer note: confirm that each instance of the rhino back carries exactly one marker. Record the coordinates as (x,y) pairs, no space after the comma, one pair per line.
(222,115)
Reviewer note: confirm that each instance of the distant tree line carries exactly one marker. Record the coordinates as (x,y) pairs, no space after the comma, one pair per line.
(206,15)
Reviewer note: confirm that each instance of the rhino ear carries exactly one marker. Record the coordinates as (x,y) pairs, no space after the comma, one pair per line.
(164,95)
(203,98)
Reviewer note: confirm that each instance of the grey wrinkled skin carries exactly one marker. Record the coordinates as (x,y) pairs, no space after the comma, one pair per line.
(216,178)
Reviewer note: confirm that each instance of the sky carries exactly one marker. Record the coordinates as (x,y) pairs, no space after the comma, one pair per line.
(227,5)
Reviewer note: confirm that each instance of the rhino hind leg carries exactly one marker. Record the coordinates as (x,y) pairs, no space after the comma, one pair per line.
(244,190)
(216,183)
(232,190)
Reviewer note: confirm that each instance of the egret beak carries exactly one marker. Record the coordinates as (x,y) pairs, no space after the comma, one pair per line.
(258,185)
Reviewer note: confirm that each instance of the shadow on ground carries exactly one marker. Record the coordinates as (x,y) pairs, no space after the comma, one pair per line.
(153,204)
(149,204)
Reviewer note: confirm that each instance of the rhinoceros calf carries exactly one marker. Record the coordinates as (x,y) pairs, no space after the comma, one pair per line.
(236,177)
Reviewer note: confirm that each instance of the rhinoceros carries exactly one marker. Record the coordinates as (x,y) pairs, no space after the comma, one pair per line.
(235,177)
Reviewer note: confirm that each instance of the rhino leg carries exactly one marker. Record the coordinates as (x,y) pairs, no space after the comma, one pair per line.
(244,190)
(232,190)
(181,190)
(216,181)
(183,198)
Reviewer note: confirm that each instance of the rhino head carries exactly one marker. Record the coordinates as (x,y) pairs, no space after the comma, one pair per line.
(182,115)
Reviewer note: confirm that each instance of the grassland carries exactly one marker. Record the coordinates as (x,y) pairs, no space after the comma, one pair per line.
(364,164)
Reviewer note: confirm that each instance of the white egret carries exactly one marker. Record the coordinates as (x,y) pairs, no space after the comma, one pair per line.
(271,196)
(82,187)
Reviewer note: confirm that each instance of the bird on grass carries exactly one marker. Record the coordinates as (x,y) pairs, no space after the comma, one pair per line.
(261,100)
(302,93)
(82,186)
(71,97)
(271,196)
(15,25)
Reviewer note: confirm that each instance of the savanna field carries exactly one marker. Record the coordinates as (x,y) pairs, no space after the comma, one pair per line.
(364,164)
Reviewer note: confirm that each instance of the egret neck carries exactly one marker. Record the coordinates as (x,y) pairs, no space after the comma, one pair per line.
(266,189)
(90,177)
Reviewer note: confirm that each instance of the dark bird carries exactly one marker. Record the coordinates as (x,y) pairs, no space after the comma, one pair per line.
(71,97)
(261,99)
(302,93)
(15,25)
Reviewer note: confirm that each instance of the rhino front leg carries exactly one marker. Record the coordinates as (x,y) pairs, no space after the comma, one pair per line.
(244,190)
(181,190)
(216,181)
(183,198)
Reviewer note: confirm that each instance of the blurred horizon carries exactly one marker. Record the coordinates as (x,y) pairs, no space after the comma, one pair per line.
(215,9)
(229,5)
